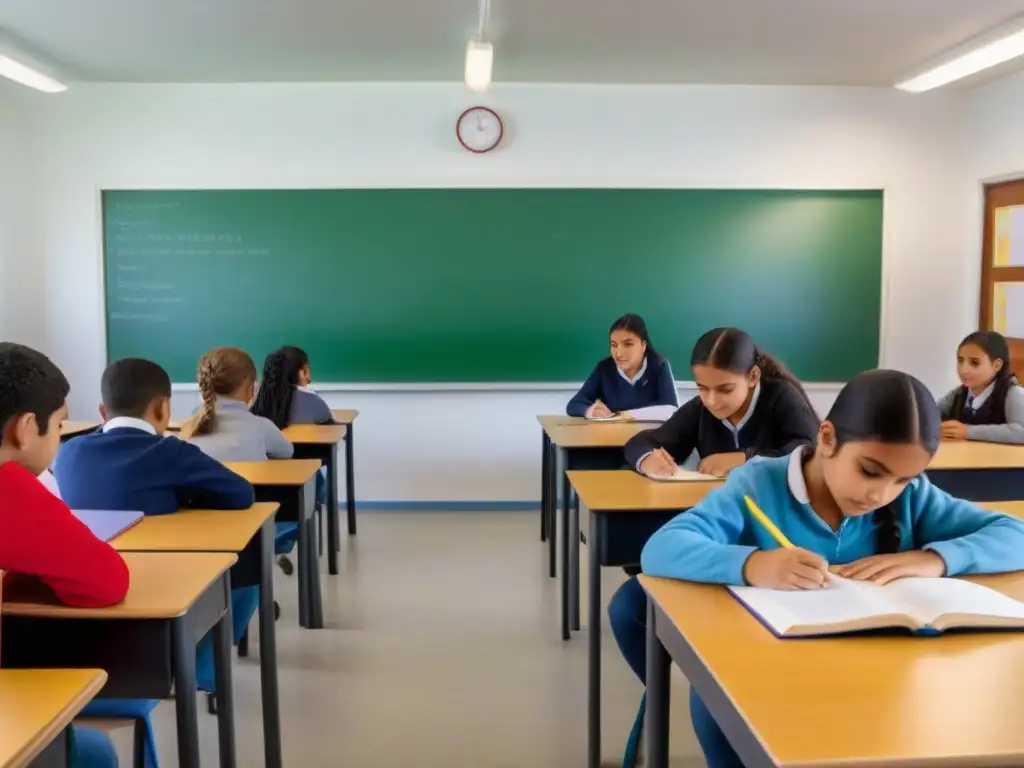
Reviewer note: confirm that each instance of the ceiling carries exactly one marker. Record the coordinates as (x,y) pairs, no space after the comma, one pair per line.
(844,42)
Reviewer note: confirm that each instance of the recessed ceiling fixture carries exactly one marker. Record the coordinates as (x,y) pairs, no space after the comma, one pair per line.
(19,65)
(480,54)
(996,47)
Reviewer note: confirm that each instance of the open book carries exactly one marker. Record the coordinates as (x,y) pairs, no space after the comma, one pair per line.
(687,476)
(654,414)
(923,606)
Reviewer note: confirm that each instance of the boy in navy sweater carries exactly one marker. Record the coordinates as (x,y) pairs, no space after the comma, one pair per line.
(130,465)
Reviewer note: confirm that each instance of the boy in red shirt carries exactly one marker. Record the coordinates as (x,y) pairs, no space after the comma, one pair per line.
(39,537)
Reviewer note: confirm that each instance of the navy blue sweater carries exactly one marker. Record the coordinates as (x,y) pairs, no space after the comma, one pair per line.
(130,469)
(656,387)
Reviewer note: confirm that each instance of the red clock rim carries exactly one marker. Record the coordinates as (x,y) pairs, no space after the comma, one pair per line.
(501,130)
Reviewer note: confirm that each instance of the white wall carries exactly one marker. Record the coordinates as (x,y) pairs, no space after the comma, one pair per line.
(484,446)
(22,268)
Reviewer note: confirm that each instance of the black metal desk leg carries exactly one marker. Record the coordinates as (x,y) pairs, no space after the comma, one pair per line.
(273,757)
(350,484)
(304,559)
(183,656)
(545,469)
(659,685)
(222,633)
(594,645)
(553,454)
(574,561)
(316,603)
(564,516)
(332,512)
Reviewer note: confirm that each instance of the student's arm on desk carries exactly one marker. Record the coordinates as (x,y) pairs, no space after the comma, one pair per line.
(678,436)
(40,537)
(589,393)
(697,545)
(278,446)
(968,539)
(1012,431)
(206,483)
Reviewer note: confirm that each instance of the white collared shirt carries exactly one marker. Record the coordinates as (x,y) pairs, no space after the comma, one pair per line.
(795,475)
(129,422)
(735,428)
(974,402)
(635,379)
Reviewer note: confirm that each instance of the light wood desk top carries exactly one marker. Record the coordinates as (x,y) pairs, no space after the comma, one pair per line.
(1015,508)
(315,434)
(574,432)
(344,415)
(968,454)
(859,701)
(68,428)
(276,471)
(623,490)
(37,704)
(196,530)
(164,585)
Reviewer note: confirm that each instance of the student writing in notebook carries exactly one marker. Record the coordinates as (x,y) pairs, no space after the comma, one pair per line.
(858,501)
(633,376)
(747,405)
(989,404)
(39,536)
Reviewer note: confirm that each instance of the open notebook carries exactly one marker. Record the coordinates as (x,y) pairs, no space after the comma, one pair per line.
(687,476)
(107,524)
(923,606)
(654,414)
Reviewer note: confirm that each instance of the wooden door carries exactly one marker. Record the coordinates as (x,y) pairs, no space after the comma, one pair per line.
(1002,266)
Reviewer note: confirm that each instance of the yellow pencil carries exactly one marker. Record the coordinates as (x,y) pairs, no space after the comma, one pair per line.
(769,526)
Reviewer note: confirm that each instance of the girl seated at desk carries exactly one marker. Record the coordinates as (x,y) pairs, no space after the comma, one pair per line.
(858,501)
(633,376)
(989,404)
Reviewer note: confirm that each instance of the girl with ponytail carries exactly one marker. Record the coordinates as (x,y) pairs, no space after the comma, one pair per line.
(857,503)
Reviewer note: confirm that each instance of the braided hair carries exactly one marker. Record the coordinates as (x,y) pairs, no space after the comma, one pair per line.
(280,378)
(995,347)
(733,350)
(222,371)
(887,407)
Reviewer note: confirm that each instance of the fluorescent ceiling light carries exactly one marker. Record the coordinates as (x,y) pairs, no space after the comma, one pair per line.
(479,61)
(1002,46)
(21,73)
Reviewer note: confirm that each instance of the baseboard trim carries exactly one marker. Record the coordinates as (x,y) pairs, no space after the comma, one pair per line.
(446,506)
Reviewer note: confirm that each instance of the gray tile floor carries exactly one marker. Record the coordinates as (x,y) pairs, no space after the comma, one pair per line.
(441,648)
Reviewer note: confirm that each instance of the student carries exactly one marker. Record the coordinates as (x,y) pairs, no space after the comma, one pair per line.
(865,477)
(748,405)
(284,395)
(130,465)
(633,376)
(990,403)
(39,537)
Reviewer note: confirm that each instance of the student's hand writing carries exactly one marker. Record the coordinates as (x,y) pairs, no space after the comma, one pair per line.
(720,464)
(787,568)
(954,430)
(881,569)
(659,464)
(598,411)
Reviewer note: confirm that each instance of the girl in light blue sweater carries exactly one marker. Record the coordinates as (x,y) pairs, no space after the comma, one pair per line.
(859,500)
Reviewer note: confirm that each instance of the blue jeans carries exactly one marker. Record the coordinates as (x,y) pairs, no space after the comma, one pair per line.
(93,749)
(135,709)
(627,611)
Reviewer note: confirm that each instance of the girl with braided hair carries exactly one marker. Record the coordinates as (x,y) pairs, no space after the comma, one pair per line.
(284,396)
(857,503)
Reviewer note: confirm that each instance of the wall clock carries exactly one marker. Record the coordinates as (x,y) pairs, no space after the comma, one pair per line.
(479,129)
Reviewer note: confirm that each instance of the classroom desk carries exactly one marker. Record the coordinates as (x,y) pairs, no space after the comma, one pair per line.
(36,706)
(869,701)
(979,471)
(567,444)
(292,484)
(146,643)
(347,418)
(70,429)
(206,530)
(625,511)
(320,442)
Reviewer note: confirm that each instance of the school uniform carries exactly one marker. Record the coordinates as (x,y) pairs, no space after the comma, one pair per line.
(653,384)
(239,435)
(712,541)
(778,420)
(977,412)
(129,466)
(308,407)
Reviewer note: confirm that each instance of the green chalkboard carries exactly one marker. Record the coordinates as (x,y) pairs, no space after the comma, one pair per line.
(510,285)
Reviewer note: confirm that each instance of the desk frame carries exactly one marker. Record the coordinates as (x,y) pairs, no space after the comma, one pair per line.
(327,455)
(168,658)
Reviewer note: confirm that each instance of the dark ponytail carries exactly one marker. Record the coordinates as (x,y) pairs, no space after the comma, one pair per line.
(280,377)
(994,345)
(733,350)
(887,407)
(636,325)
